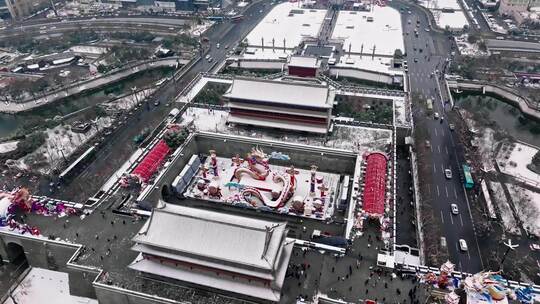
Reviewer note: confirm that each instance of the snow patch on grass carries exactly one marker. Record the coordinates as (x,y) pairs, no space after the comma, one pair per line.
(507,216)
(527,205)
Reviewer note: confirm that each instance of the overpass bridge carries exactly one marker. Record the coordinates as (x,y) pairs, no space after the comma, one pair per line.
(81,86)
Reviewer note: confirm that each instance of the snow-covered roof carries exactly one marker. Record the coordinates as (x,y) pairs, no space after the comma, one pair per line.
(63,60)
(304,61)
(281,92)
(377,64)
(214,236)
(276,53)
(384,32)
(287,21)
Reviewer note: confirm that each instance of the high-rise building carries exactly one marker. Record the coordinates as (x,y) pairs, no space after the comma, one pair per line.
(22,8)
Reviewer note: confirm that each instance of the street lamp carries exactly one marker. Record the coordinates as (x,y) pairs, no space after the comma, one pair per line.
(510,247)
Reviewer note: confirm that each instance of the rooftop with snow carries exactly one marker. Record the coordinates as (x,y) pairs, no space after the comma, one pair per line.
(379,30)
(288,22)
(294,94)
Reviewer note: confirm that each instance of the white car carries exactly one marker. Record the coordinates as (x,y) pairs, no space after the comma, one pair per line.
(534,247)
(448,173)
(454,208)
(436,115)
(463,245)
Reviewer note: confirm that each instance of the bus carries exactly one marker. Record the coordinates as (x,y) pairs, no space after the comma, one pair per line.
(467,177)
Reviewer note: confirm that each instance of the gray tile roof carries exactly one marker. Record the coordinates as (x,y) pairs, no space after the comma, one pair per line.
(214,236)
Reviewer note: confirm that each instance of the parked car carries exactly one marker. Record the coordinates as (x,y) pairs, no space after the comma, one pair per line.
(452,127)
(436,115)
(535,247)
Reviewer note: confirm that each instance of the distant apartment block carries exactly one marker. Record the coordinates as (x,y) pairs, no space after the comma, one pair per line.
(511,7)
(22,8)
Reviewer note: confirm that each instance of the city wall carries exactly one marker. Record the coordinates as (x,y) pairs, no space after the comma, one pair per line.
(52,255)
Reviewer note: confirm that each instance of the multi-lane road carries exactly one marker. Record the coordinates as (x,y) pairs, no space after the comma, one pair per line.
(426,53)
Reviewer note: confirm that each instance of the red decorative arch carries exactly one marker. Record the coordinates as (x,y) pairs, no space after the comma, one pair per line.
(375,184)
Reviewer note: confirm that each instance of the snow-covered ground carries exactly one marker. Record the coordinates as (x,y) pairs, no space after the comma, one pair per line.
(199,29)
(8,146)
(468,49)
(440,4)
(401,112)
(359,139)
(205,120)
(527,205)
(455,20)
(88,49)
(485,142)
(61,142)
(513,160)
(507,216)
(45,286)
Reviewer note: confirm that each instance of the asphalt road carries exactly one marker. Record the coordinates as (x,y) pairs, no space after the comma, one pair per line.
(58,28)
(116,151)
(435,49)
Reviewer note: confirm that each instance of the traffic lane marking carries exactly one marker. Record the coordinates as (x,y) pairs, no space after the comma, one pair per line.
(442,217)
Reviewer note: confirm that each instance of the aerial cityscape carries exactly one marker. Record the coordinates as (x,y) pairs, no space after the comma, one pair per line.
(269,151)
